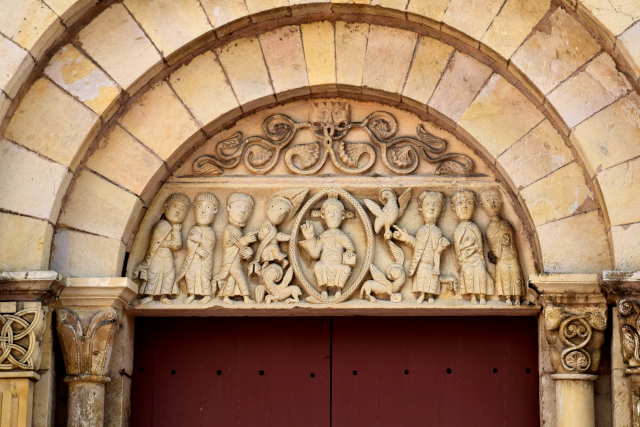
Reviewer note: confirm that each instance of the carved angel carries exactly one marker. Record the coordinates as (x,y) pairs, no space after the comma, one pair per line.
(393,209)
(390,284)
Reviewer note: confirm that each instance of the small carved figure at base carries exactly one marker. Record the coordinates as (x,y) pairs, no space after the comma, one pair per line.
(280,291)
(232,279)
(381,286)
(158,270)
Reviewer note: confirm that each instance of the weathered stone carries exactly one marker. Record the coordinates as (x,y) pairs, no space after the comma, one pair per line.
(70,10)
(318,39)
(284,55)
(499,116)
(160,121)
(98,206)
(117,404)
(615,15)
(77,254)
(605,139)
(472,18)
(625,245)
(222,12)
(432,9)
(559,195)
(258,6)
(620,186)
(427,67)
(589,91)
(460,83)
(513,24)
(123,160)
(81,78)
(204,89)
(15,66)
(537,154)
(170,24)
(547,401)
(577,244)
(44,399)
(387,60)
(558,48)
(29,184)
(351,46)
(26,243)
(116,42)
(4,105)
(244,65)
(622,411)
(630,40)
(53,124)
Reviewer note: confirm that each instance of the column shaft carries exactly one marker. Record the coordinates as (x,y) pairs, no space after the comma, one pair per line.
(575,400)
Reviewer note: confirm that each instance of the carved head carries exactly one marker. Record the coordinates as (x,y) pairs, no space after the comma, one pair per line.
(176,208)
(278,210)
(332,211)
(239,208)
(463,203)
(430,204)
(205,207)
(491,201)
(336,113)
(386,194)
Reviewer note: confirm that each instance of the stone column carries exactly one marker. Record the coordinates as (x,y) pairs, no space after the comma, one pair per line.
(575,318)
(87,327)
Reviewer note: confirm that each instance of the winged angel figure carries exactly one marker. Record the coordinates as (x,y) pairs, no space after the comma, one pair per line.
(392,283)
(393,209)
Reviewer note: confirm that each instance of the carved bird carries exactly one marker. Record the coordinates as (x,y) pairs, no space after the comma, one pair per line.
(393,209)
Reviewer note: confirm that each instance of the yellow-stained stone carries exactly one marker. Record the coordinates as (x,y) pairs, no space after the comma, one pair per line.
(589,91)
(610,136)
(513,24)
(81,78)
(170,24)
(427,67)
(160,121)
(499,116)
(432,9)
(244,65)
(460,83)
(537,154)
(26,243)
(630,40)
(283,53)
(577,244)
(15,66)
(116,42)
(558,48)
(615,15)
(318,39)
(204,89)
(472,17)
(387,60)
(222,12)
(625,244)
(70,10)
(351,46)
(561,194)
(77,254)
(97,206)
(30,184)
(257,6)
(31,24)
(620,186)
(53,123)
(123,160)
(391,4)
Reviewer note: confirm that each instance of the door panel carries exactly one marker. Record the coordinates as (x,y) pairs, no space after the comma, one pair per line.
(402,378)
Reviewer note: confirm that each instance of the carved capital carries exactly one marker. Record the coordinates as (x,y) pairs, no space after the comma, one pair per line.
(21,330)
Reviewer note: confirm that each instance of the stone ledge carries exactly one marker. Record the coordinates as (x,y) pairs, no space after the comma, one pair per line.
(30,285)
(98,292)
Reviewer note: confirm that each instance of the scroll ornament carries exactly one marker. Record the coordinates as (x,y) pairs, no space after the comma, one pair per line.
(19,339)
(630,331)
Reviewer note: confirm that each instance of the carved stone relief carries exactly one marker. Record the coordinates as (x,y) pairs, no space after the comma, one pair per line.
(20,336)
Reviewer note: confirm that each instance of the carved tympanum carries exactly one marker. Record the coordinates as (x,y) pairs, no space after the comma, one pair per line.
(19,336)
(330,124)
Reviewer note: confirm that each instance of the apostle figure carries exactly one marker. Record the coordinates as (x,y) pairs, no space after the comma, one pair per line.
(502,244)
(467,240)
(158,270)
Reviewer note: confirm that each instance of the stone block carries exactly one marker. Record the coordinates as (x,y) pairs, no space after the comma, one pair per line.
(15,66)
(558,48)
(76,74)
(430,61)
(513,24)
(30,184)
(431,9)
(387,60)
(204,89)
(54,124)
(620,186)
(97,206)
(223,12)
(625,246)
(78,254)
(120,158)
(589,91)
(117,401)
(318,39)
(499,116)
(472,18)
(622,415)
(44,399)
(615,15)
(4,105)
(602,400)
(547,401)
(284,56)
(460,83)
(535,155)
(70,10)
(260,6)
(630,40)
(171,25)
(244,66)
(577,244)
(160,121)
(26,243)
(351,46)
(558,195)
(117,43)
